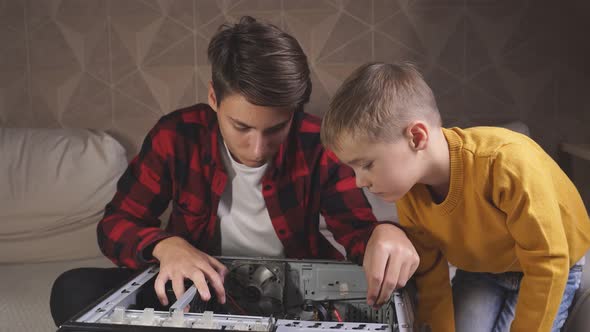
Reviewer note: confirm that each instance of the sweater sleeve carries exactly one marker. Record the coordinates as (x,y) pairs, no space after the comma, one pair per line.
(435,298)
(524,191)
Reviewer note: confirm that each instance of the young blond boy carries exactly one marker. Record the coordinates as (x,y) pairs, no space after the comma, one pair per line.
(487,200)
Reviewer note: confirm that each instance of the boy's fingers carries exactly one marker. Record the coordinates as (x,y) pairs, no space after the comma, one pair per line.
(219,267)
(374,272)
(160,288)
(404,276)
(215,281)
(178,286)
(390,280)
(198,279)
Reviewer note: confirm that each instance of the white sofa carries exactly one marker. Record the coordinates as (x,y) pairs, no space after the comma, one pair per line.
(54,186)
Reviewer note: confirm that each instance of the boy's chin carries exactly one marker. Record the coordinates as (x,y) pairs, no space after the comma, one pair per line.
(388,197)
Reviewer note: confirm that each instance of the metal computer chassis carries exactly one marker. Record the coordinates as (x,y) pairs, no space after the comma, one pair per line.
(305,282)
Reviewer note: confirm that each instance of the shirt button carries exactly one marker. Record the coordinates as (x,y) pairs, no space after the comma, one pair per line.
(282,231)
(267,187)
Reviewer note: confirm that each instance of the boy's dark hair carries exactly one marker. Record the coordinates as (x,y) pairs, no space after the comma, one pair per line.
(377,102)
(259,61)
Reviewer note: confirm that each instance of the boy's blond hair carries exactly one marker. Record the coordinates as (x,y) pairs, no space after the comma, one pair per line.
(377,102)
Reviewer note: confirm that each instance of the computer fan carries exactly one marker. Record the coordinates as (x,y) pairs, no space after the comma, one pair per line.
(256,288)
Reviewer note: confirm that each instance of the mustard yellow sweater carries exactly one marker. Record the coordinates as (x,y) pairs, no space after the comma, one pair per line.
(509,208)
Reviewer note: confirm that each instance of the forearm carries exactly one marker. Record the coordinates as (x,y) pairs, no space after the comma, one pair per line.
(540,295)
(435,298)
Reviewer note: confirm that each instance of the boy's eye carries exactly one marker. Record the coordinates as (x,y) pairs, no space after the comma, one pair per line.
(240,128)
(275,130)
(368,166)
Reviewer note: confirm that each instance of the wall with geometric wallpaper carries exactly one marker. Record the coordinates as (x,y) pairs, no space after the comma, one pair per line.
(120,65)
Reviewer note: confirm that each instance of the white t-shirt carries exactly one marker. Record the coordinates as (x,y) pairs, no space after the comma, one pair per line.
(246,228)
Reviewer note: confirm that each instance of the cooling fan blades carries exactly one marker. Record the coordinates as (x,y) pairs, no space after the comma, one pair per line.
(256,289)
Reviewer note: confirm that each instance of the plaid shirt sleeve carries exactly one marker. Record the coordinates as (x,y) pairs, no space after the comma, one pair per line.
(130,223)
(347,211)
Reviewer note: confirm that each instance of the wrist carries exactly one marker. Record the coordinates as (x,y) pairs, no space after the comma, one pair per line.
(161,247)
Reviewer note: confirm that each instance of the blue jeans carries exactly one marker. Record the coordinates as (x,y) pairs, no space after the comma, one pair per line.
(486,302)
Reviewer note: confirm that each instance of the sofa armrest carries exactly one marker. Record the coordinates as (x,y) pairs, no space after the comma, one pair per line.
(579,316)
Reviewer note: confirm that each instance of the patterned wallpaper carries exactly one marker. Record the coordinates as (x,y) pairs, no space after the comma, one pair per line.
(120,65)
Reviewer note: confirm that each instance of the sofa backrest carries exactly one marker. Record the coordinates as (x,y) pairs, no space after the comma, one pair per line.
(55,185)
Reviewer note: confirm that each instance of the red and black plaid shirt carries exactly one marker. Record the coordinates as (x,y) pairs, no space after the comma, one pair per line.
(180,161)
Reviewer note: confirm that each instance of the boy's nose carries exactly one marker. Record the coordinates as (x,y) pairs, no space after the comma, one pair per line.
(259,145)
(361,182)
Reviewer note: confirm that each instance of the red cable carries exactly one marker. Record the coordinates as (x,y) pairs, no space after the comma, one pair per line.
(236,304)
(336,315)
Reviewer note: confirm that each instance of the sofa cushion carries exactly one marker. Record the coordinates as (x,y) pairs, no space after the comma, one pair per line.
(55,185)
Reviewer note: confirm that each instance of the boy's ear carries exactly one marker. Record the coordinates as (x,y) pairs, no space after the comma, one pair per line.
(417,134)
(211,97)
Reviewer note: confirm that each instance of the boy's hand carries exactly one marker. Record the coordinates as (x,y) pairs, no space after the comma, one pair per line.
(179,260)
(390,260)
